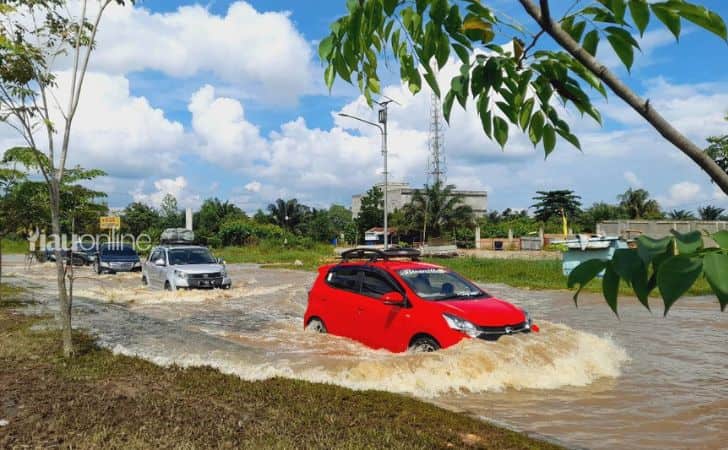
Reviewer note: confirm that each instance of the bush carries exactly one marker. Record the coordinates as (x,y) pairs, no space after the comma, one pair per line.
(214,242)
(245,232)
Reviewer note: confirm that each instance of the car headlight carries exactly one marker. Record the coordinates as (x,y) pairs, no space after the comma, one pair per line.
(459,324)
(104,263)
(180,274)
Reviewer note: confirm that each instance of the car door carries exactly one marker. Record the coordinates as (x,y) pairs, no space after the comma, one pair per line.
(340,301)
(153,270)
(381,325)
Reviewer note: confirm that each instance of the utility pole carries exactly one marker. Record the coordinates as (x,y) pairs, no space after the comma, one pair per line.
(382,126)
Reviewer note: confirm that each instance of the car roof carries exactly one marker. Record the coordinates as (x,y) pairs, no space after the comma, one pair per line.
(172,246)
(392,264)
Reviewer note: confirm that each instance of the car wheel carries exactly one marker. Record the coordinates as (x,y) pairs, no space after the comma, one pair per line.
(97,267)
(423,344)
(316,325)
(227,286)
(76,261)
(168,287)
(144,281)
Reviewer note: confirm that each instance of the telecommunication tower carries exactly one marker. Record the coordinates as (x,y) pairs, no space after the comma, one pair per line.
(436,163)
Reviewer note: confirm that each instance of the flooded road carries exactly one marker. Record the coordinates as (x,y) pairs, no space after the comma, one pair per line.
(587,379)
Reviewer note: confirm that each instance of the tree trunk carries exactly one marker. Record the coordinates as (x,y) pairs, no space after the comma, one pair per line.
(64,300)
(641,106)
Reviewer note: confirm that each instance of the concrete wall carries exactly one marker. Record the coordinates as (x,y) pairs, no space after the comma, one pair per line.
(657,228)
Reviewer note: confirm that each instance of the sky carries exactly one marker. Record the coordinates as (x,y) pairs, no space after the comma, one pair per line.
(226,99)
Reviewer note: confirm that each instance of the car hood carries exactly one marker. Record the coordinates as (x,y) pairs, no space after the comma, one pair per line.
(487,312)
(119,258)
(199,268)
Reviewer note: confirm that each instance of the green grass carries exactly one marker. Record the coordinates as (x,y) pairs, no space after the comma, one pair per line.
(279,256)
(533,274)
(12,246)
(99,400)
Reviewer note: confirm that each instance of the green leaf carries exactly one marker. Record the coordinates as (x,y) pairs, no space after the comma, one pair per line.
(500,130)
(668,17)
(675,276)
(623,34)
(447,105)
(715,266)
(443,50)
(570,138)
(432,81)
(549,139)
(390,6)
(721,238)
(630,267)
(701,16)
(535,130)
(591,42)
(326,47)
(689,242)
(438,11)
(525,116)
(583,274)
(415,81)
(648,248)
(462,52)
(623,49)
(374,85)
(329,76)
(610,287)
(487,122)
(640,14)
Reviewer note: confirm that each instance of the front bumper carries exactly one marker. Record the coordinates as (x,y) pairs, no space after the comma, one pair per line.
(120,266)
(203,283)
(494,333)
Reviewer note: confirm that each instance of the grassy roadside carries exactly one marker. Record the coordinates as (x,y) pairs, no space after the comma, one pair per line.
(10,246)
(519,273)
(102,400)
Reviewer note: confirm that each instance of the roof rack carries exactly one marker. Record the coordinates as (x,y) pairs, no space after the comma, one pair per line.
(373,254)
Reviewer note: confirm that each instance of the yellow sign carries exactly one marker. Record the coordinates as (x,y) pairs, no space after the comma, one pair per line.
(110,222)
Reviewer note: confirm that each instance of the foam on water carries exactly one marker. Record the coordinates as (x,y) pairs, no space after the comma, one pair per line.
(559,356)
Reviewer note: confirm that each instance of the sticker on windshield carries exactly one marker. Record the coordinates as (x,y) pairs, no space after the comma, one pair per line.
(406,272)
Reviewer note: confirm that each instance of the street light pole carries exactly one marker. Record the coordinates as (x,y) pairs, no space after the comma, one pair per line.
(383,130)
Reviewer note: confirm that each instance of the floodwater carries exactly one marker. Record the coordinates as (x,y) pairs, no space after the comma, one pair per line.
(588,379)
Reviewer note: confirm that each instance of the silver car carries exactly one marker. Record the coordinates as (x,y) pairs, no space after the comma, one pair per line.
(184,266)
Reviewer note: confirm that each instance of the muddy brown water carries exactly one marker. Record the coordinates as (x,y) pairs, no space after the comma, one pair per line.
(588,379)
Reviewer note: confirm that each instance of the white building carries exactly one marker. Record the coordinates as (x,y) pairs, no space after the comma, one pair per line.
(400,194)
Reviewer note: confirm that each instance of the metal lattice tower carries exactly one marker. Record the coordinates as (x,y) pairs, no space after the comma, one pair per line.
(436,163)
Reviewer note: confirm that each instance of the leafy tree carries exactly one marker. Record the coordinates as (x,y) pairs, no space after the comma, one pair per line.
(138,218)
(681,214)
(318,226)
(371,213)
(170,213)
(33,34)
(599,212)
(552,203)
(710,212)
(261,217)
(214,212)
(287,214)
(340,217)
(638,205)
(437,209)
(512,86)
(718,150)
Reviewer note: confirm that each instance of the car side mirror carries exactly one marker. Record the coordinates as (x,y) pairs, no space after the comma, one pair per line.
(159,262)
(393,298)
(220,261)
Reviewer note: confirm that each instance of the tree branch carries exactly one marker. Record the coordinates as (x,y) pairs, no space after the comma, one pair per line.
(642,107)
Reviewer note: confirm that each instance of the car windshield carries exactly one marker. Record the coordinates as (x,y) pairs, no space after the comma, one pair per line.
(179,256)
(440,284)
(118,250)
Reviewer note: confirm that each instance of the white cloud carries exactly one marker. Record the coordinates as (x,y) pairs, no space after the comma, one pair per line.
(685,194)
(632,179)
(177,187)
(253,186)
(261,53)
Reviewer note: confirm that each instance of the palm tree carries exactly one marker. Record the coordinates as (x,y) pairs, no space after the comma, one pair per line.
(710,212)
(436,209)
(287,214)
(638,204)
(680,214)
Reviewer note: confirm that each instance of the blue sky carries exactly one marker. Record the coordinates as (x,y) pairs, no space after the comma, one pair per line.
(225,99)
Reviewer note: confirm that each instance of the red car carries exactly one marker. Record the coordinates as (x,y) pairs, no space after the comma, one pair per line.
(388,299)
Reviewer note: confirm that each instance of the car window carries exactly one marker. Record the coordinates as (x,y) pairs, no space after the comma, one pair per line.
(119,250)
(156,254)
(440,284)
(179,256)
(375,285)
(345,278)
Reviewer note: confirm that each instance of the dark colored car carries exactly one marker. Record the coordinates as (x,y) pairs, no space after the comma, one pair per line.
(117,257)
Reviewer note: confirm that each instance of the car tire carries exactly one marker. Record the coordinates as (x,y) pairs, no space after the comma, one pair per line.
(168,287)
(316,325)
(423,344)
(227,286)
(144,281)
(97,267)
